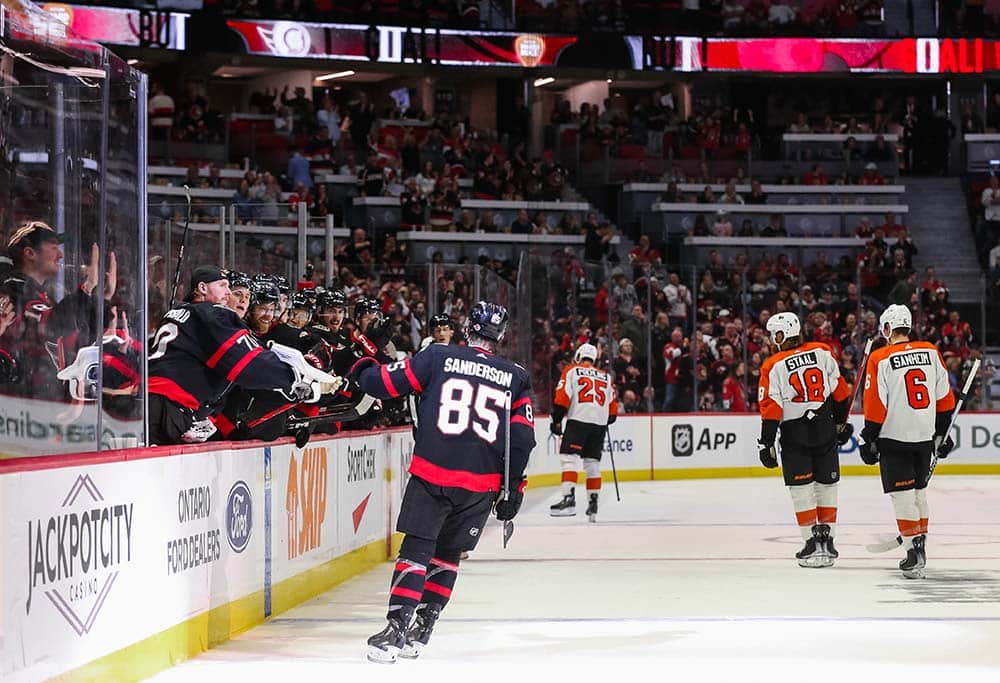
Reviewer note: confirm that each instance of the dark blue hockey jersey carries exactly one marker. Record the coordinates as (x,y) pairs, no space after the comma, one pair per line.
(463,392)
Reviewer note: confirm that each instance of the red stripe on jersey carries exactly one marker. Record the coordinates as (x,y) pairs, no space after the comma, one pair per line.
(444,565)
(437,588)
(521,420)
(411,377)
(406,593)
(520,402)
(223,424)
(387,381)
(226,345)
(462,479)
(244,361)
(523,485)
(169,389)
(119,366)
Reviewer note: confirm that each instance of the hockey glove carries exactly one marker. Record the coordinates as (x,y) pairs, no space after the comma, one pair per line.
(869,452)
(306,391)
(612,419)
(507,509)
(945,448)
(555,428)
(360,366)
(768,455)
(844,433)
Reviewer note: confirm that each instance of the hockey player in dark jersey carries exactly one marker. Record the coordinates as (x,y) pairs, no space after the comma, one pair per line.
(368,338)
(239,292)
(260,317)
(456,470)
(201,349)
(328,323)
(46,335)
(293,332)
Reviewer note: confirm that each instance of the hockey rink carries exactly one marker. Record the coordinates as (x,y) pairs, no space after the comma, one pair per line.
(689,580)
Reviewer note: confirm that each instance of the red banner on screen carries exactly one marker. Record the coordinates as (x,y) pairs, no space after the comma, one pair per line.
(399,45)
(816,55)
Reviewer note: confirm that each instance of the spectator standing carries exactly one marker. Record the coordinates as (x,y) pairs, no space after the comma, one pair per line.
(161,113)
(298,168)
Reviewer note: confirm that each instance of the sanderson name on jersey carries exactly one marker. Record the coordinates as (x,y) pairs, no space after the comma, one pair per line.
(461,366)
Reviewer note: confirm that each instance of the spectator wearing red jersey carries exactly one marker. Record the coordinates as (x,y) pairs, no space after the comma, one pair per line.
(871,176)
(956,334)
(644,253)
(672,353)
(815,177)
(891,228)
(734,393)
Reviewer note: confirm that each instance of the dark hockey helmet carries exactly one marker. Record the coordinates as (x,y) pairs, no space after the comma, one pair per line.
(300,301)
(282,282)
(441,320)
(487,320)
(331,299)
(310,294)
(238,279)
(364,306)
(263,293)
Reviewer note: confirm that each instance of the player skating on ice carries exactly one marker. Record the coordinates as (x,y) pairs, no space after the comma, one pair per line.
(907,405)
(467,393)
(585,396)
(801,391)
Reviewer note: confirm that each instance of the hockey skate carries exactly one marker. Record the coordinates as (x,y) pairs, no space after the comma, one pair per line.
(420,632)
(814,553)
(825,543)
(913,564)
(592,508)
(565,507)
(384,646)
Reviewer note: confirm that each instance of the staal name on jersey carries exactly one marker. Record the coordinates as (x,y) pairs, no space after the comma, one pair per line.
(801,360)
(471,368)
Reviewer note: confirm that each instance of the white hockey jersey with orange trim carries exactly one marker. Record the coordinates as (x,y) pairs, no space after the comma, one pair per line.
(587,393)
(906,386)
(796,383)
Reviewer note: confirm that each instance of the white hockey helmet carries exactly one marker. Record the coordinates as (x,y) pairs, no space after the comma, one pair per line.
(786,323)
(586,351)
(893,318)
(83,374)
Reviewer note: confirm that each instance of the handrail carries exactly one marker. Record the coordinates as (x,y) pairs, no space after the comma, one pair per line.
(771,189)
(666,207)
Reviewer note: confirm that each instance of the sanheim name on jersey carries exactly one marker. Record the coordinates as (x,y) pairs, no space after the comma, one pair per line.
(909,360)
(461,366)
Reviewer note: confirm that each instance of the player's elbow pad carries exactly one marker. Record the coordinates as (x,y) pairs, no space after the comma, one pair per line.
(841,410)
(768,431)
(941,423)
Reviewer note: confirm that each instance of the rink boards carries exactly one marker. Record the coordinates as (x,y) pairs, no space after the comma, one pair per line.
(119,565)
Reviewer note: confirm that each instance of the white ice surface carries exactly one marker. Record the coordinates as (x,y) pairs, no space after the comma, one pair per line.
(682,580)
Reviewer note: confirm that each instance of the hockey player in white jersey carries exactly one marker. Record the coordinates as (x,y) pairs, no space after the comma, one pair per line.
(585,395)
(801,391)
(908,403)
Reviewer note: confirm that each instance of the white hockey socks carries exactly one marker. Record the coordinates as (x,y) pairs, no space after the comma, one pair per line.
(904,503)
(922,509)
(593,469)
(804,504)
(826,505)
(570,467)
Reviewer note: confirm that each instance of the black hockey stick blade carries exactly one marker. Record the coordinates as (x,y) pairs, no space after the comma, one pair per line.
(508,531)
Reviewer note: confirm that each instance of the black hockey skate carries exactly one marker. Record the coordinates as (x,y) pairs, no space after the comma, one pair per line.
(565,507)
(913,564)
(813,554)
(825,543)
(420,632)
(592,508)
(384,646)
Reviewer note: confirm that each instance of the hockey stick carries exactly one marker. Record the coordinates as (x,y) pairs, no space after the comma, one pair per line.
(969,381)
(614,471)
(859,375)
(180,253)
(508,524)
(885,545)
(303,428)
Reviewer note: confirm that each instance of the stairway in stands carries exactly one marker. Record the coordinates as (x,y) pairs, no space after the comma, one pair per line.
(939,225)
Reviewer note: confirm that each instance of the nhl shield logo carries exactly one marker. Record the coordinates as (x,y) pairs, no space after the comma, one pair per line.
(682,440)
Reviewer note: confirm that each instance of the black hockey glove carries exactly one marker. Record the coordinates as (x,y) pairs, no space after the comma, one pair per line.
(768,455)
(612,419)
(945,448)
(508,509)
(555,428)
(844,433)
(869,452)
